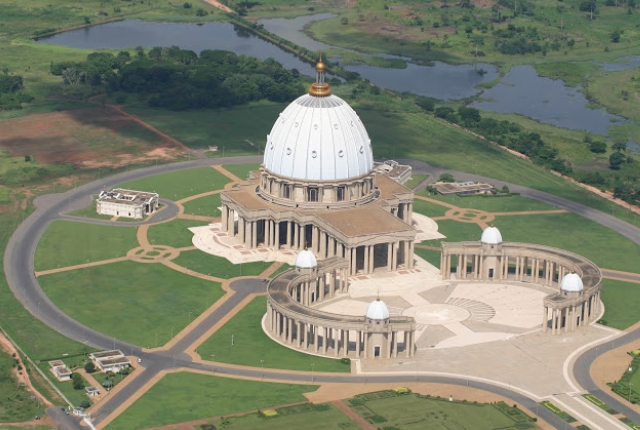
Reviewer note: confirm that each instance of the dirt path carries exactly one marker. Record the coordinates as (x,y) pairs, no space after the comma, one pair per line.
(81,266)
(351,414)
(219,5)
(271,269)
(199,218)
(541,212)
(228,174)
(21,375)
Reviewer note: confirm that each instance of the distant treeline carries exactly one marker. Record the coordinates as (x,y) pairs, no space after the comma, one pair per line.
(11,92)
(179,79)
(505,133)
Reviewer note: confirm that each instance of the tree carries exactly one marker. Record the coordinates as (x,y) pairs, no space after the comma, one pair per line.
(446,177)
(108,384)
(619,145)
(344,21)
(616,160)
(615,36)
(85,404)
(90,367)
(78,382)
(598,147)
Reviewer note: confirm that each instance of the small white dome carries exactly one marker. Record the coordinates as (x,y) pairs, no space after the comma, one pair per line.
(318,139)
(306,260)
(377,310)
(572,282)
(491,235)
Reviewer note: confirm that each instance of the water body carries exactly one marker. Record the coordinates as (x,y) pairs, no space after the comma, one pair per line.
(624,63)
(291,29)
(196,37)
(549,101)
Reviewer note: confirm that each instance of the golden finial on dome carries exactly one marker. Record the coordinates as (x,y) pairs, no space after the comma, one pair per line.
(320,88)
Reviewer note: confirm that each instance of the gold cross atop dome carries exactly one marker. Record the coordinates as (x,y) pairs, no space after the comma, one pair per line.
(320,88)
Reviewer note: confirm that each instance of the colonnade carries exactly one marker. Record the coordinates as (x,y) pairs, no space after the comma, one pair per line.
(571,314)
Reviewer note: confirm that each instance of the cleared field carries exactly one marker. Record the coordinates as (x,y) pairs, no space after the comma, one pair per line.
(143,304)
(173,233)
(251,345)
(493,204)
(185,396)
(88,138)
(241,170)
(220,267)
(67,243)
(181,184)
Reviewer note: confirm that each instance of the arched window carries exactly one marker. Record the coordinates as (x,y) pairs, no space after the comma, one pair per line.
(312,194)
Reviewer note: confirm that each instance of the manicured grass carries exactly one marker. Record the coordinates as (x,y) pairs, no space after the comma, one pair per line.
(493,204)
(227,128)
(413,412)
(173,233)
(134,302)
(430,255)
(251,345)
(66,387)
(621,303)
(324,416)
(282,268)
(181,184)
(428,208)
(242,170)
(603,246)
(455,231)
(185,396)
(207,206)
(15,401)
(116,379)
(415,180)
(67,243)
(220,267)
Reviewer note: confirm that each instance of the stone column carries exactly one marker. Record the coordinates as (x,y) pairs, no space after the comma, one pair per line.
(389,255)
(323,244)
(553,321)
(325,339)
(358,340)
(366,259)
(545,318)
(316,328)
(394,256)
(410,256)
(389,340)
(395,343)
(254,234)
(225,215)
(366,344)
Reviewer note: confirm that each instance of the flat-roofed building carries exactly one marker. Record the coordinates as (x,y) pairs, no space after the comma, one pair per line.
(127,203)
(110,361)
(464,188)
(60,370)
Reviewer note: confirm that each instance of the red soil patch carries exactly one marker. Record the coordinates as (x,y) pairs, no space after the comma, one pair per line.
(89,138)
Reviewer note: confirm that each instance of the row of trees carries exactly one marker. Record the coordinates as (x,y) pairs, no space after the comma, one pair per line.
(179,79)
(12,93)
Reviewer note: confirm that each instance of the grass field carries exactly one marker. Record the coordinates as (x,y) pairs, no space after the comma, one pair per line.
(282,268)
(251,345)
(428,208)
(324,416)
(414,412)
(181,184)
(91,212)
(220,267)
(622,303)
(573,233)
(229,129)
(183,396)
(67,243)
(137,303)
(207,206)
(455,231)
(241,170)
(15,402)
(430,255)
(173,233)
(493,204)
(415,180)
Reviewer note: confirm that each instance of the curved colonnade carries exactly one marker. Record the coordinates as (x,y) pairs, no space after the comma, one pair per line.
(537,264)
(292,321)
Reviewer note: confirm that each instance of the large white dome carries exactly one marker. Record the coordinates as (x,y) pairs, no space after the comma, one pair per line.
(491,235)
(318,139)
(377,310)
(571,282)
(306,260)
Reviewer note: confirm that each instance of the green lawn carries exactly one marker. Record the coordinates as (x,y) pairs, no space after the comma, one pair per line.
(220,267)
(411,412)
(116,379)
(173,233)
(181,184)
(282,268)
(229,129)
(15,401)
(242,170)
(66,387)
(455,231)
(185,396)
(493,204)
(207,206)
(603,246)
(415,180)
(621,303)
(251,345)
(134,302)
(428,208)
(324,416)
(430,255)
(67,243)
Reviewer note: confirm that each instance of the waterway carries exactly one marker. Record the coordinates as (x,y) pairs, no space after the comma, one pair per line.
(520,91)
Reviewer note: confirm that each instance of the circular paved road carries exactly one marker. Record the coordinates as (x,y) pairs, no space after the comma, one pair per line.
(18,265)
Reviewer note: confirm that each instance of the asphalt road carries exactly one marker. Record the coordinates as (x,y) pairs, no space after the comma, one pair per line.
(18,265)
